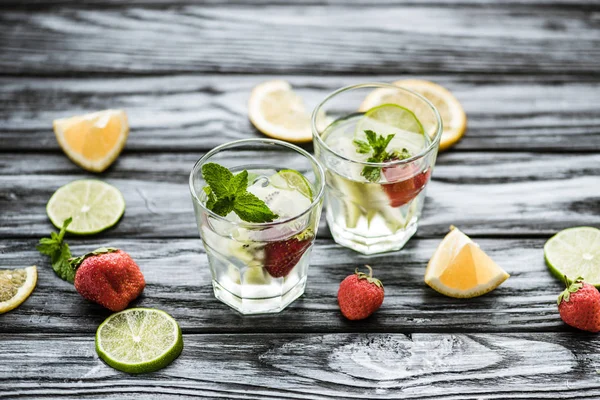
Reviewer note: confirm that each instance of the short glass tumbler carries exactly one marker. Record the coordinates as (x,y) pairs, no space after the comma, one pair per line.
(382,213)
(261,267)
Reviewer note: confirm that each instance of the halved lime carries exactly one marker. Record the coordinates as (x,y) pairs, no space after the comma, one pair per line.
(294,180)
(94,206)
(139,340)
(388,118)
(575,252)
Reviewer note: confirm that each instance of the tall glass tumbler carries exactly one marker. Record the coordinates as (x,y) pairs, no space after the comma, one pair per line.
(373,204)
(261,267)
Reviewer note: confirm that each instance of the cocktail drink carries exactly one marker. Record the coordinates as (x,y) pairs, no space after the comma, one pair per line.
(257,204)
(378,144)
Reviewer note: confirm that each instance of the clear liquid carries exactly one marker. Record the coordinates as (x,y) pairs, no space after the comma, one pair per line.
(373,217)
(257,270)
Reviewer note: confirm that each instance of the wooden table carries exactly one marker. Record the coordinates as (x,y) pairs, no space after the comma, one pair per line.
(528,75)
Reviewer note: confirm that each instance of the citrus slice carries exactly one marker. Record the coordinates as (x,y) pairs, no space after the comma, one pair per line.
(459,268)
(15,287)
(278,112)
(139,340)
(390,116)
(294,180)
(94,206)
(453,116)
(93,141)
(575,252)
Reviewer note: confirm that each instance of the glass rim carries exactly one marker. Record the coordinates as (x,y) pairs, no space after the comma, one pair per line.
(434,143)
(316,199)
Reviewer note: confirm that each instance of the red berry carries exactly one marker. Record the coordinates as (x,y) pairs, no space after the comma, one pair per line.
(406,183)
(110,278)
(579,306)
(360,295)
(282,256)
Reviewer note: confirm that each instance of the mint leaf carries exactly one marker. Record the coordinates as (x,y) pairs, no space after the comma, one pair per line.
(377,145)
(223,206)
(59,252)
(239,183)
(362,147)
(218,178)
(252,209)
(211,199)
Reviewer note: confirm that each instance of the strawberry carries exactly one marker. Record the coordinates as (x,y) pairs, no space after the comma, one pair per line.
(282,256)
(360,295)
(108,277)
(579,305)
(407,183)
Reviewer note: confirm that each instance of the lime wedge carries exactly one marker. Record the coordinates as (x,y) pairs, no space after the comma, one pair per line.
(292,180)
(94,206)
(139,340)
(575,252)
(389,118)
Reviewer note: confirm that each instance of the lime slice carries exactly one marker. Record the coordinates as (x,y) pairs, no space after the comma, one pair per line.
(139,340)
(575,252)
(292,180)
(388,118)
(94,206)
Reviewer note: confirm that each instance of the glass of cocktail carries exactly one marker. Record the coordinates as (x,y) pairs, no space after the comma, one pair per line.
(378,144)
(257,204)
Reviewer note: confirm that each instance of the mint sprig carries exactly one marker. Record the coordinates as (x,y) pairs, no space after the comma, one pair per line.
(376,145)
(59,252)
(227,192)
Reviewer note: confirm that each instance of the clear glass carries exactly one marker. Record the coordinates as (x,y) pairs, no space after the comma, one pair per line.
(382,216)
(260,267)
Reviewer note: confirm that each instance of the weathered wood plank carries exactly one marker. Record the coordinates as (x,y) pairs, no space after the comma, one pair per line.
(318,366)
(196,113)
(485,193)
(178,281)
(299,39)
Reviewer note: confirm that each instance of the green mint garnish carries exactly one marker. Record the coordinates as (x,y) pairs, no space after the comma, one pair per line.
(59,253)
(227,192)
(376,145)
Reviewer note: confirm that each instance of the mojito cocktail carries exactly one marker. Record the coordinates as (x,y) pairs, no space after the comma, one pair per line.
(257,214)
(378,148)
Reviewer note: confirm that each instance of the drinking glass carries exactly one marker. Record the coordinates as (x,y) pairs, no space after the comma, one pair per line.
(366,216)
(261,267)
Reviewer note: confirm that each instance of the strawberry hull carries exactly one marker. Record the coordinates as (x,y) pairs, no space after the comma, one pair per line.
(407,183)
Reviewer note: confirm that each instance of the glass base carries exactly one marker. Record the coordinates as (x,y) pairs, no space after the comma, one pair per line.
(267,305)
(372,244)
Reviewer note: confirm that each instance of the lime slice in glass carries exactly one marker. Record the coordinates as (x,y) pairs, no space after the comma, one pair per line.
(387,118)
(292,180)
(94,206)
(139,340)
(575,252)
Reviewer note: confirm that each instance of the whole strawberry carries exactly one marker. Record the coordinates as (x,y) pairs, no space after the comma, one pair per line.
(579,305)
(108,277)
(360,295)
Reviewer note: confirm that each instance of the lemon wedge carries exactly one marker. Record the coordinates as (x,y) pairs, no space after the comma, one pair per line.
(278,112)
(453,116)
(459,268)
(15,287)
(93,141)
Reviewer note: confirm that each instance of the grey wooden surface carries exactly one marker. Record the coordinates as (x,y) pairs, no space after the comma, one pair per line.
(527,74)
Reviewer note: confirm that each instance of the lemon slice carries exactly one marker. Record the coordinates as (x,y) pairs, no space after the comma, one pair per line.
(459,268)
(93,141)
(15,287)
(453,116)
(278,112)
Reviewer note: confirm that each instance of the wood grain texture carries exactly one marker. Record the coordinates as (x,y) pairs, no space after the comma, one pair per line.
(299,39)
(501,194)
(178,281)
(318,366)
(196,113)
